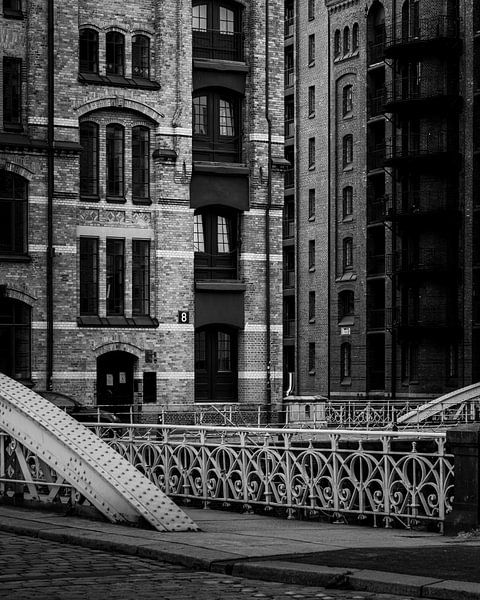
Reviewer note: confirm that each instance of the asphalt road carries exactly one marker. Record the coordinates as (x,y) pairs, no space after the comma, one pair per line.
(33,569)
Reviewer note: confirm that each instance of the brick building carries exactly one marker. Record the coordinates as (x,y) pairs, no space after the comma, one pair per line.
(381,236)
(141,194)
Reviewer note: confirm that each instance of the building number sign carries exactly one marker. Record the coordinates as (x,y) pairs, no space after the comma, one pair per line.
(183,316)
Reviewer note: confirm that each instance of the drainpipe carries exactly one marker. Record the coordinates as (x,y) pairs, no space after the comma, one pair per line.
(268,118)
(329,200)
(50,189)
(393,337)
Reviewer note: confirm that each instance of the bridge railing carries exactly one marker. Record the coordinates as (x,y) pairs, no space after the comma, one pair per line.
(389,478)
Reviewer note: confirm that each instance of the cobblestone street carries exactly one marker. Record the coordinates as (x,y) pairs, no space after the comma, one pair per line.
(41,570)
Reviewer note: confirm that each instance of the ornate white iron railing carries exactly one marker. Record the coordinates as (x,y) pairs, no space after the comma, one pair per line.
(400,478)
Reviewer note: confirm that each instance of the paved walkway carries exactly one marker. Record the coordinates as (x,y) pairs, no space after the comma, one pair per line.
(267,548)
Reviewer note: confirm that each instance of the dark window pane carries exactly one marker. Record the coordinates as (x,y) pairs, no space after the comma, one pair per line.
(141,56)
(200,115)
(88,51)
(12,92)
(13,213)
(115,53)
(224,351)
(141,277)
(141,162)
(15,330)
(115,160)
(89,159)
(115,277)
(88,276)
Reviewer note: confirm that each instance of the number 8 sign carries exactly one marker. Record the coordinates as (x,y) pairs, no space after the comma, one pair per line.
(183,316)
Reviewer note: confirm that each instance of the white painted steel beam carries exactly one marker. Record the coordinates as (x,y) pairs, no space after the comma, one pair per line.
(106,479)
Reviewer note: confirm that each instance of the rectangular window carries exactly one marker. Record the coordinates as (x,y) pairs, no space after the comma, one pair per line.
(115,160)
(311,254)
(149,387)
(311,204)
(115,277)
(347,254)
(347,100)
(311,153)
(140,277)
(311,49)
(88,276)
(115,53)
(311,101)
(140,163)
(311,358)
(311,306)
(12,93)
(12,9)
(89,159)
(347,150)
(311,10)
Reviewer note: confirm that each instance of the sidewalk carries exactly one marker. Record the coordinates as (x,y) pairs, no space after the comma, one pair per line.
(379,560)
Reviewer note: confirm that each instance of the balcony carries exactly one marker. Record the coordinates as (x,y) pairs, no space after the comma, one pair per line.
(423,261)
(414,205)
(434,317)
(379,209)
(375,265)
(376,154)
(289,178)
(436,33)
(289,328)
(288,228)
(435,149)
(428,93)
(213,44)
(288,279)
(375,318)
(376,51)
(376,103)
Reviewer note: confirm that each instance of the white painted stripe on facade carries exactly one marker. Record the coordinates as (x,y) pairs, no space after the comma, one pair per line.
(68,325)
(263,137)
(262,328)
(259,375)
(179,131)
(184,254)
(59,249)
(75,375)
(174,208)
(260,212)
(257,256)
(102,231)
(56,325)
(59,122)
(176,375)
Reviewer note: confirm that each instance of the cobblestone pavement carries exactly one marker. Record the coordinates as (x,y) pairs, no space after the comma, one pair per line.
(42,570)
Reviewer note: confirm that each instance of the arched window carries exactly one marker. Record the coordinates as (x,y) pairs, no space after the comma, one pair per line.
(376,33)
(217,30)
(347,254)
(346,41)
(89,159)
(347,100)
(115,151)
(355,37)
(88,51)
(215,243)
(115,53)
(13,213)
(216,117)
(15,327)
(410,20)
(347,201)
(347,153)
(140,163)
(345,361)
(346,304)
(216,364)
(336,44)
(140,57)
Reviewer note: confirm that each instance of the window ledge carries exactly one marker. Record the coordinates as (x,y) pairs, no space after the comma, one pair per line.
(348,167)
(311,218)
(347,219)
(220,285)
(346,381)
(116,199)
(117,321)
(311,320)
(311,372)
(220,64)
(118,81)
(142,201)
(346,321)
(311,269)
(15,258)
(225,168)
(87,198)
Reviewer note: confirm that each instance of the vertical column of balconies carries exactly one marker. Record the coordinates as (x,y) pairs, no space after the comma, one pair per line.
(376,197)
(422,156)
(289,309)
(476,191)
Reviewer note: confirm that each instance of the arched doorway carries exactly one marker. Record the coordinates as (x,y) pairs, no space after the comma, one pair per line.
(115,380)
(15,317)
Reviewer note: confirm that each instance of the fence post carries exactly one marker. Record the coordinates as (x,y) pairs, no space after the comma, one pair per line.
(464,443)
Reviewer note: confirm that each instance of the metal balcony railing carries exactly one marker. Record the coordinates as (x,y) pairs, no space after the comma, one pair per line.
(421,203)
(409,89)
(376,156)
(376,103)
(422,260)
(429,316)
(417,145)
(289,279)
(437,28)
(376,318)
(288,228)
(289,178)
(289,328)
(375,264)
(215,44)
